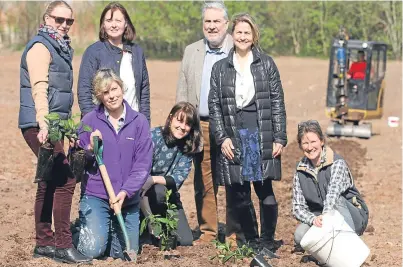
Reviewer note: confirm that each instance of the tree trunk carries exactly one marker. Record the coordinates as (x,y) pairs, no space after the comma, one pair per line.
(322,20)
(392,28)
(363,23)
(297,46)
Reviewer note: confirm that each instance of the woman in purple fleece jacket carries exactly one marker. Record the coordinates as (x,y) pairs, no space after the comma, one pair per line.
(127,155)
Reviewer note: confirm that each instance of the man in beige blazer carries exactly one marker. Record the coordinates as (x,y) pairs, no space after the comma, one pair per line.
(194,86)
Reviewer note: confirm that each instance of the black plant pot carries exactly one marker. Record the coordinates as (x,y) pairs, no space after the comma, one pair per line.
(77,161)
(259,261)
(45,163)
(170,243)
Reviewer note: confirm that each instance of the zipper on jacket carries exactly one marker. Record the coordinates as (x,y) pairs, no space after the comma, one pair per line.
(316,182)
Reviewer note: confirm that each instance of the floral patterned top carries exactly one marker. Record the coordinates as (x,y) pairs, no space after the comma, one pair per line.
(169,161)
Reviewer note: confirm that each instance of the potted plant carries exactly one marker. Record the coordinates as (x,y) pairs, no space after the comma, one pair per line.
(164,227)
(57,129)
(76,155)
(45,153)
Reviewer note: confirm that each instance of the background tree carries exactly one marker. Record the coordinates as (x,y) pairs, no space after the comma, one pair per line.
(165,28)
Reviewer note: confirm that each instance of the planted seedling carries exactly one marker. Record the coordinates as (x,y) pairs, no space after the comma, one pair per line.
(226,253)
(164,227)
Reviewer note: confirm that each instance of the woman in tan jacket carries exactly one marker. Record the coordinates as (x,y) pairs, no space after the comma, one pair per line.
(46,80)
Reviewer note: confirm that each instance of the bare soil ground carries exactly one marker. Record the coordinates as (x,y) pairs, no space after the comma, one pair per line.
(376,164)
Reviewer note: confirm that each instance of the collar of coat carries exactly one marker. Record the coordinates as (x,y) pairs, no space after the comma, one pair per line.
(327,158)
(257,55)
(129,116)
(127,47)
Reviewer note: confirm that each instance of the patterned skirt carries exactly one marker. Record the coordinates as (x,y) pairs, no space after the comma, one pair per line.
(251,160)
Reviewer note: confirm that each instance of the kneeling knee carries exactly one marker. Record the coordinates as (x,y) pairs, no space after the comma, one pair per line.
(270,201)
(91,246)
(94,251)
(300,233)
(159,193)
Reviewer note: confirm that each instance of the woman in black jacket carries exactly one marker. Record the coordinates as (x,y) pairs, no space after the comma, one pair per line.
(248,121)
(116,50)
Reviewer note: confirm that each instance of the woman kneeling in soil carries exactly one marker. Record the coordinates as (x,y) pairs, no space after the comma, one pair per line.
(127,156)
(322,183)
(174,147)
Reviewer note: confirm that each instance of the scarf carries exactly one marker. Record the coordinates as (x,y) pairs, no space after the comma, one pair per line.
(64,42)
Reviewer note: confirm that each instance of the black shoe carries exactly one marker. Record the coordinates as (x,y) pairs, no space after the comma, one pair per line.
(71,255)
(44,251)
(298,250)
(272,245)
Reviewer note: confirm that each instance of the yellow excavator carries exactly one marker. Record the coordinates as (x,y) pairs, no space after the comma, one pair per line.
(356,85)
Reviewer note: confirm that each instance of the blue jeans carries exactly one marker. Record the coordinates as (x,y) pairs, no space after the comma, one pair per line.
(100,233)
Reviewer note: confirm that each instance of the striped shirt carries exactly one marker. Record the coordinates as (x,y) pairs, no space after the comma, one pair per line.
(211,57)
(121,120)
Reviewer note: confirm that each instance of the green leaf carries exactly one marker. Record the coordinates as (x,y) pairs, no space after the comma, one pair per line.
(171,212)
(143,225)
(71,125)
(157,229)
(228,257)
(52,116)
(163,220)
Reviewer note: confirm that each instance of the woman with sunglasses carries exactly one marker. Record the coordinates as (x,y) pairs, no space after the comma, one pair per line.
(323,183)
(46,82)
(116,50)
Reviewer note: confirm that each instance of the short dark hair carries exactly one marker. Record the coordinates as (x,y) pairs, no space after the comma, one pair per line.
(310,126)
(130,32)
(191,143)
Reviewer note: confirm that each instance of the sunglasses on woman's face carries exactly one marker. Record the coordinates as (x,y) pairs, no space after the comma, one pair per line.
(60,20)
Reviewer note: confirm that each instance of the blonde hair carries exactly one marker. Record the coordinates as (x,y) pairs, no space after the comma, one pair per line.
(245,17)
(102,82)
(53,5)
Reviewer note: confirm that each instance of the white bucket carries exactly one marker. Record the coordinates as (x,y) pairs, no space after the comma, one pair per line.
(393,121)
(335,243)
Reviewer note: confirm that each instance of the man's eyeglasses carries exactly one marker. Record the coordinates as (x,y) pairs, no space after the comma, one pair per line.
(61,20)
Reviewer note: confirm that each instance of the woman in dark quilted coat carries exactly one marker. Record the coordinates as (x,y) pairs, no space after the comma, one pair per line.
(248,121)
